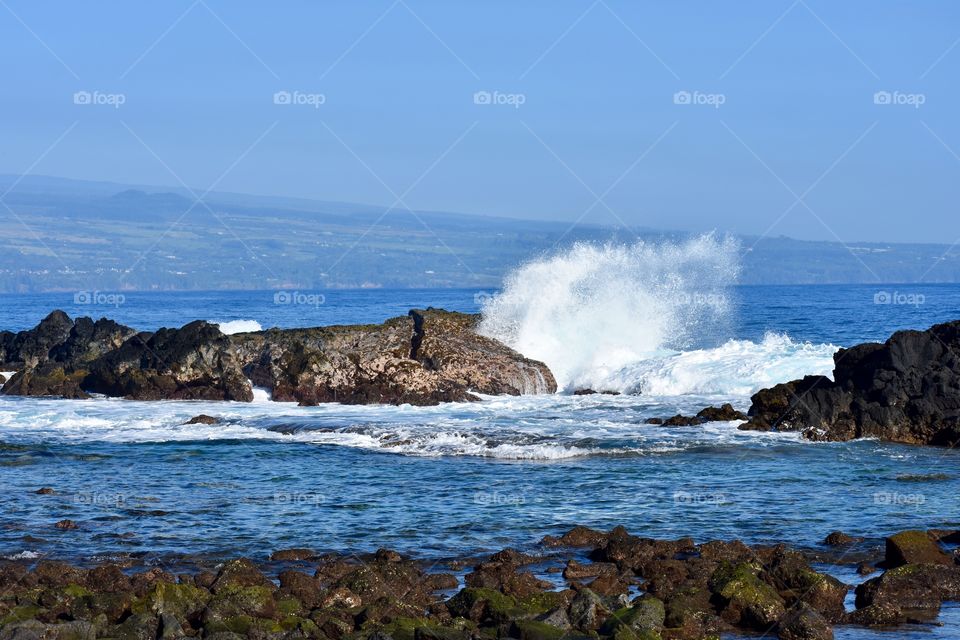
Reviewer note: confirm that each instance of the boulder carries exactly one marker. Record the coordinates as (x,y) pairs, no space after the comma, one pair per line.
(904,390)
(913,547)
(912,586)
(805,624)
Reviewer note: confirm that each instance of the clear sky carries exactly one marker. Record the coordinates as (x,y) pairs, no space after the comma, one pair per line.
(754,117)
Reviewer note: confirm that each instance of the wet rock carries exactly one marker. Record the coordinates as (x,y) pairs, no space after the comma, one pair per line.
(744,599)
(655,421)
(866,569)
(904,390)
(67,525)
(840,539)
(577,537)
(913,547)
(483,605)
(644,619)
(805,624)
(797,582)
(293,555)
(723,413)
(107,578)
(45,491)
(588,610)
(203,419)
(912,586)
(301,586)
(505,577)
(341,597)
(609,585)
(240,573)
(576,571)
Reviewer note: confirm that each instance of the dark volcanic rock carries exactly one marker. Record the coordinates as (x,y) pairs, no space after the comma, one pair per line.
(904,390)
(203,419)
(426,357)
(912,586)
(840,539)
(195,362)
(723,413)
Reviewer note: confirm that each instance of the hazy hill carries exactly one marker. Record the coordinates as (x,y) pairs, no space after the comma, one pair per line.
(61,234)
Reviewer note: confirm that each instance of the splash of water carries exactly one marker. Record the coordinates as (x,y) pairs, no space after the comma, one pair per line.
(589,311)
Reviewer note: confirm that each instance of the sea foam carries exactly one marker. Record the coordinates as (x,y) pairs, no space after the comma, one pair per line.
(642,318)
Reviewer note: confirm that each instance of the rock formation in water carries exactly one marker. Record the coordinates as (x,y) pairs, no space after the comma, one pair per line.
(423,358)
(904,390)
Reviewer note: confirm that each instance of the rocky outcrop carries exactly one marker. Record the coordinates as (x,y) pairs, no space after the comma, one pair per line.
(904,390)
(424,358)
(689,591)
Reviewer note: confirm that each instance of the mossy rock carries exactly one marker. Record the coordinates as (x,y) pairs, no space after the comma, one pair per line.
(180,600)
(19,614)
(539,603)
(645,617)
(76,591)
(479,604)
(244,625)
(534,630)
(232,600)
(914,547)
(139,626)
(746,599)
(404,628)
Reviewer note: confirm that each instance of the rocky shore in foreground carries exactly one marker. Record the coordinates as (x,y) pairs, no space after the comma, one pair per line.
(426,357)
(600,585)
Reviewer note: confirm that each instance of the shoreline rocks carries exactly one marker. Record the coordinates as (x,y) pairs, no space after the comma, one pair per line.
(905,390)
(614,585)
(424,358)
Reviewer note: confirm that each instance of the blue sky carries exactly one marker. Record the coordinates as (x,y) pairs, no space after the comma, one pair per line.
(751,117)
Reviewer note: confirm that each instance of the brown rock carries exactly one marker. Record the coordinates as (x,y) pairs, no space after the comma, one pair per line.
(67,525)
(913,547)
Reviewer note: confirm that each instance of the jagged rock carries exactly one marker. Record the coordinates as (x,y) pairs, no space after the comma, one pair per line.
(426,357)
(744,598)
(195,362)
(293,555)
(904,390)
(203,419)
(724,413)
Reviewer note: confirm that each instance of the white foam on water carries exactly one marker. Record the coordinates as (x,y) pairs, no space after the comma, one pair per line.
(624,318)
(238,326)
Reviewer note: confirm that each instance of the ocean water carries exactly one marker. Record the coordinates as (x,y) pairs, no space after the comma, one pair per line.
(471,478)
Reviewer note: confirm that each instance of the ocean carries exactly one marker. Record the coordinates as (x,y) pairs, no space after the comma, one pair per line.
(462,479)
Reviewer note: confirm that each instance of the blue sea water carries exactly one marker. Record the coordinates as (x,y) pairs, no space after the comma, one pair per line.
(468,478)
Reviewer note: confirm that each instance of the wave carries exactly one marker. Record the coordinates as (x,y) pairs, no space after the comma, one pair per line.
(238,326)
(591,310)
(643,318)
(736,368)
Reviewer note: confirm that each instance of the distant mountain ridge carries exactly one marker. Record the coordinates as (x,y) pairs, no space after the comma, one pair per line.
(70,235)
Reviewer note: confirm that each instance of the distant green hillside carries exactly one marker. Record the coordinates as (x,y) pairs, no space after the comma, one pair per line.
(73,235)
